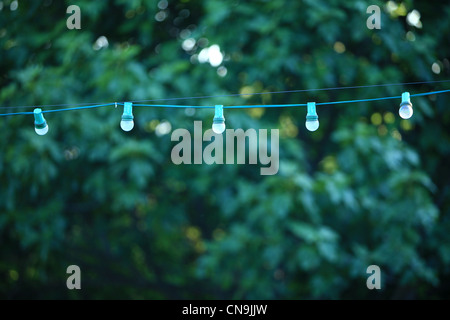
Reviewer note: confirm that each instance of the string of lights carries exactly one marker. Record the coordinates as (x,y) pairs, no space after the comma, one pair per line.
(312,119)
(239,94)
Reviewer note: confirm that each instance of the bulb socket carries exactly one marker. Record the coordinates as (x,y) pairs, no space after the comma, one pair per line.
(127,117)
(406,99)
(39,120)
(312,117)
(40,125)
(218,120)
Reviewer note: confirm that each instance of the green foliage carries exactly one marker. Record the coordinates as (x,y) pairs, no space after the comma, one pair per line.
(366,188)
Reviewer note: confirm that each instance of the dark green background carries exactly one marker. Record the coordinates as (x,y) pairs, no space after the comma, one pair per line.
(366,188)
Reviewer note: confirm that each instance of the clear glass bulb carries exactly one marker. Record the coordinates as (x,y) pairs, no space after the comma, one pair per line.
(41,131)
(127,125)
(218,127)
(405,111)
(312,125)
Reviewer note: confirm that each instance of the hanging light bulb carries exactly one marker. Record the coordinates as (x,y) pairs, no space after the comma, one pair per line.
(406,110)
(219,120)
(312,119)
(40,125)
(127,123)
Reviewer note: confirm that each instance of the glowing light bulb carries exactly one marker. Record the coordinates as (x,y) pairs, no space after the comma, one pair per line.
(406,110)
(312,119)
(218,127)
(312,125)
(40,125)
(127,123)
(42,131)
(219,120)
